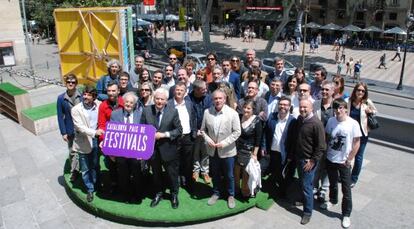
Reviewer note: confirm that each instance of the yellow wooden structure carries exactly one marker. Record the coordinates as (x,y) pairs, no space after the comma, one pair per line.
(89,37)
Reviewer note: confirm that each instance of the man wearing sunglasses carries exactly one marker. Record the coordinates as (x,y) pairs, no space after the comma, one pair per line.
(174,63)
(65,102)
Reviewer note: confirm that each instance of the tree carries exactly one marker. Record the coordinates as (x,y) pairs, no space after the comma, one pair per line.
(287,6)
(204,10)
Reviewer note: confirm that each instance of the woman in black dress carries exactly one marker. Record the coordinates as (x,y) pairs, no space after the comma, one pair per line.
(247,146)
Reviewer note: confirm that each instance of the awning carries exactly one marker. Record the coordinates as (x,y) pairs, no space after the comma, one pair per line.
(312,25)
(396,30)
(351,28)
(331,26)
(373,29)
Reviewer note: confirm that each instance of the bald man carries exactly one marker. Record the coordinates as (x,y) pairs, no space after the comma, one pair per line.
(305,145)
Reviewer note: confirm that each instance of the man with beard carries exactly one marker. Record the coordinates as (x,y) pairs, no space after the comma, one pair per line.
(113,102)
(261,105)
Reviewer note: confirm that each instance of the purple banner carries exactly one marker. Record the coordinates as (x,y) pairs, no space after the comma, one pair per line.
(129,140)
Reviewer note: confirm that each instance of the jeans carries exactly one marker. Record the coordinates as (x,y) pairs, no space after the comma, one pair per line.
(88,163)
(359,157)
(307,186)
(345,176)
(225,166)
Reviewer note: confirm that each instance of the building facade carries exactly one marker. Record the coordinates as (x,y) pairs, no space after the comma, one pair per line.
(12,45)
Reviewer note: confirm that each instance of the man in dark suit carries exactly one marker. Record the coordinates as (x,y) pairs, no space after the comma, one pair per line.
(167,122)
(231,77)
(188,121)
(129,169)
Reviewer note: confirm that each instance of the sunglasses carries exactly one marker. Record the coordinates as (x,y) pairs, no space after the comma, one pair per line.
(303,90)
(361,90)
(145,89)
(70,82)
(211,59)
(173,58)
(235,60)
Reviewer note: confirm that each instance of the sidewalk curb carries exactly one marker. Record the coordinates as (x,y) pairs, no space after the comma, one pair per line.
(384,92)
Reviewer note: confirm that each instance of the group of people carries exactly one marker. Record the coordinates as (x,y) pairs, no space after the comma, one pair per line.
(217,124)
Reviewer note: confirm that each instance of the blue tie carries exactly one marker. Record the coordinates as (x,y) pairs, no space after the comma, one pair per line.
(158,119)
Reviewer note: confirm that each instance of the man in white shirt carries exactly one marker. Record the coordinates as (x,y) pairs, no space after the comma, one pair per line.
(185,142)
(343,135)
(274,142)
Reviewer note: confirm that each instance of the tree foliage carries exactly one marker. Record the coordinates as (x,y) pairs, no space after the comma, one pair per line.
(42,11)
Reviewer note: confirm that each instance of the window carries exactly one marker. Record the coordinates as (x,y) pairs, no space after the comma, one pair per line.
(393,16)
(340,14)
(6,54)
(360,16)
(322,13)
(379,16)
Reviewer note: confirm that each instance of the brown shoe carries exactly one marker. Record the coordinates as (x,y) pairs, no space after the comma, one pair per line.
(206,178)
(195,176)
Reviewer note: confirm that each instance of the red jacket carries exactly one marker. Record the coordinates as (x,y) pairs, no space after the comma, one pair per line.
(104,114)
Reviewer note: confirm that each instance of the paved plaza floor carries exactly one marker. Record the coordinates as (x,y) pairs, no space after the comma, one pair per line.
(32,193)
(31,183)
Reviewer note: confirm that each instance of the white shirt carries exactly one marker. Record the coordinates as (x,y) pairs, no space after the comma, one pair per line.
(131,118)
(183,115)
(277,136)
(93,116)
(217,122)
(226,77)
(341,136)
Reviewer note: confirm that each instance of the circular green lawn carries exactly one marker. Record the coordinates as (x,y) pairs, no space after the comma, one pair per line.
(192,209)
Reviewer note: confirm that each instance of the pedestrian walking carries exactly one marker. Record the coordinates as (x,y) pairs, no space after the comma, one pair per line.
(397,54)
(349,67)
(357,70)
(343,54)
(382,62)
(339,68)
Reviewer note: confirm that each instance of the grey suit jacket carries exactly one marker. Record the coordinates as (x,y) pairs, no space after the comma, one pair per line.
(119,114)
(83,131)
(228,132)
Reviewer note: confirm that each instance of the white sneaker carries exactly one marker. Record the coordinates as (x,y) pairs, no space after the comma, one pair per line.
(346,222)
(327,205)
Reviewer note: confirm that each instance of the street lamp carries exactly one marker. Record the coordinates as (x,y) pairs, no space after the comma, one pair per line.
(409,22)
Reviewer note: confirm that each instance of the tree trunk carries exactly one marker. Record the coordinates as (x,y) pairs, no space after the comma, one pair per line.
(204,10)
(280,27)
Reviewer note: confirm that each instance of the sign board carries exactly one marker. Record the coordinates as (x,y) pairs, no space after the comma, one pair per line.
(7,54)
(129,140)
(181,18)
(149,2)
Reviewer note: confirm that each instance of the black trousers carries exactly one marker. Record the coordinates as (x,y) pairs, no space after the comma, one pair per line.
(276,168)
(172,169)
(130,177)
(185,152)
(342,172)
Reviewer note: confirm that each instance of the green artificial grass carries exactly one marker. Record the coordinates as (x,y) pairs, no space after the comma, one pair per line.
(11,89)
(192,209)
(40,112)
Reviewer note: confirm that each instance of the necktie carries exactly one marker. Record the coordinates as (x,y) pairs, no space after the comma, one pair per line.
(158,118)
(128,118)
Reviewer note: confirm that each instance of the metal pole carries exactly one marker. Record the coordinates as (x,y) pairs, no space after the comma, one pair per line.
(164,23)
(400,84)
(304,35)
(27,42)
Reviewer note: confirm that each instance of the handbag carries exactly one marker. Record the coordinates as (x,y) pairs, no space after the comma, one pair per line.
(373,122)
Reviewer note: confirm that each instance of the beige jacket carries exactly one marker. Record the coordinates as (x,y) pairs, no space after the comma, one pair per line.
(364,116)
(228,131)
(83,132)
